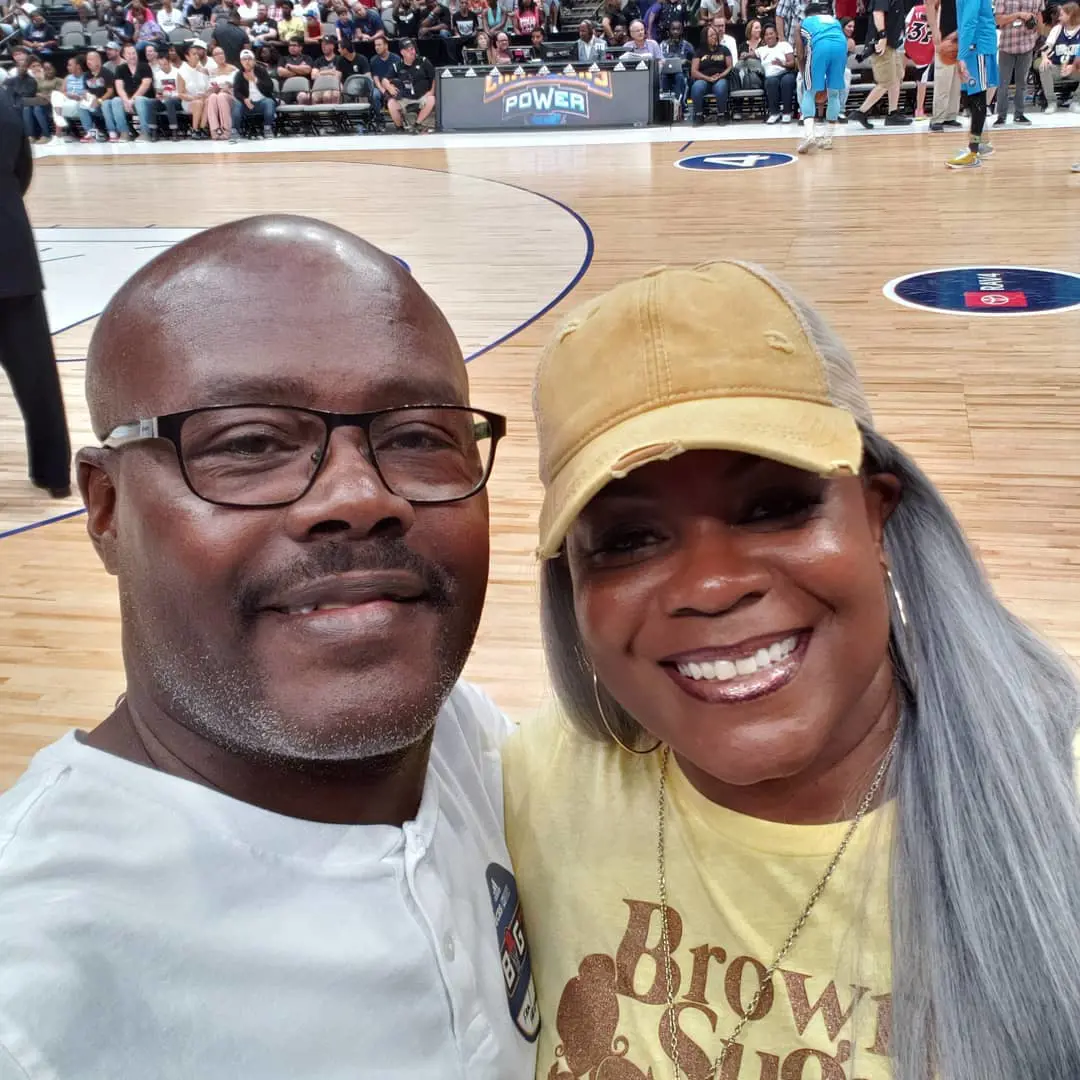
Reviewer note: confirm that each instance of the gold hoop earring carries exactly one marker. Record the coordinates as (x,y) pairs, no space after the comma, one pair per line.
(607,726)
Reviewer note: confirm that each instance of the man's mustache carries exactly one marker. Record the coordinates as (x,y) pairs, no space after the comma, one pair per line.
(341,557)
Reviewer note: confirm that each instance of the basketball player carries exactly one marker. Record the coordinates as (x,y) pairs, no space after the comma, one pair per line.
(919,49)
(821,49)
(977,64)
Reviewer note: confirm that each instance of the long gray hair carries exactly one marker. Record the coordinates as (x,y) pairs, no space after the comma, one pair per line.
(985,875)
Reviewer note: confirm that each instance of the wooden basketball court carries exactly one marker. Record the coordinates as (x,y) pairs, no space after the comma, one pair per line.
(508,239)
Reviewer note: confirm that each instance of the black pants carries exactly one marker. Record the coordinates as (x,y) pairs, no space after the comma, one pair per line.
(26,354)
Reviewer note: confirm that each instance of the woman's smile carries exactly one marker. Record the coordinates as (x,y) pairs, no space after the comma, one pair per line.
(750,670)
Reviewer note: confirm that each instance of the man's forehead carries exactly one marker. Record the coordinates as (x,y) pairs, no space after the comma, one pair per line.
(317,324)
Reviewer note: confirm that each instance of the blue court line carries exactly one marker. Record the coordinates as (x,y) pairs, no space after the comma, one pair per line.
(38,524)
(684,146)
(586,262)
(78,322)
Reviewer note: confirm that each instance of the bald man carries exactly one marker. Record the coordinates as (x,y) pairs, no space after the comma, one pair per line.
(282,855)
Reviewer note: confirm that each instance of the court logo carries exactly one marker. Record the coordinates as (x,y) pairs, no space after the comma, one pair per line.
(994,291)
(546,99)
(734,161)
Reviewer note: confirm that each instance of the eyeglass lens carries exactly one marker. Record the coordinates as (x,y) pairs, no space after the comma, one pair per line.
(255,455)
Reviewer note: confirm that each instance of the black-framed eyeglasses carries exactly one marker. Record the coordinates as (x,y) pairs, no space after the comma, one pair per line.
(264,456)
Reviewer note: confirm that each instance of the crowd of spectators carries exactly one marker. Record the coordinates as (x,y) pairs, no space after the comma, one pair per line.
(216,69)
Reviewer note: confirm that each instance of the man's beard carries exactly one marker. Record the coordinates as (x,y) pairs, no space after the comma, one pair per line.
(230,704)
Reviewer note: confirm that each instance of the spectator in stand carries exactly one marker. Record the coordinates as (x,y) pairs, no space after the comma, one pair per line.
(537,45)
(39,37)
(325,66)
(313,29)
(264,29)
(99,89)
(384,68)
(500,53)
(134,86)
(528,16)
(611,16)
(1018,22)
(231,37)
(778,59)
(478,50)
(114,19)
(789,13)
(113,57)
(170,18)
(294,64)
(414,84)
(247,11)
(660,15)
(1057,58)
(200,13)
(291,26)
(641,47)
(919,52)
(195,88)
(749,71)
(589,47)
(22,88)
(219,99)
(847,24)
(493,18)
(345,26)
(755,38)
(709,72)
(436,20)
(65,101)
(885,34)
(368,23)
(267,55)
(620,39)
(407,16)
(676,47)
(145,29)
(719,24)
(168,92)
(350,62)
(466,23)
(253,93)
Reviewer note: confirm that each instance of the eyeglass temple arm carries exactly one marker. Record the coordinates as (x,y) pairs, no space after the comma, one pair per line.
(125,433)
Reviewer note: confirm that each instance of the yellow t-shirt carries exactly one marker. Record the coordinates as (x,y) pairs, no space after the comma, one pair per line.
(582,829)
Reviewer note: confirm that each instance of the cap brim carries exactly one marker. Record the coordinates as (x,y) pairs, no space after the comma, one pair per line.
(819,438)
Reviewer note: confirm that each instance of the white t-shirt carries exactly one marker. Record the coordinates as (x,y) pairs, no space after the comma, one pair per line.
(772,60)
(170,20)
(195,82)
(248,12)
(153,928)
(165,83)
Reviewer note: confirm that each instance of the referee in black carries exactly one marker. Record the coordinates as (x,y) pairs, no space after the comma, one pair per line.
(26,351)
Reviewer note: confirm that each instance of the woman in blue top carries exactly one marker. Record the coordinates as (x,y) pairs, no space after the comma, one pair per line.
(821,49)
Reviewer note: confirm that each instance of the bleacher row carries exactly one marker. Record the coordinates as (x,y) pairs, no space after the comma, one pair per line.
(356,111)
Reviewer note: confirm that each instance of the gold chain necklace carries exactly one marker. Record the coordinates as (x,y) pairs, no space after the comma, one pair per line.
(815,895)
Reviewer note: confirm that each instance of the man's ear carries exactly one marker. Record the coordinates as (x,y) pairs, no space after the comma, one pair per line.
(99,495)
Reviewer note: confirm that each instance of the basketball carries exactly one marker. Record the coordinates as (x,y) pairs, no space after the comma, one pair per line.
(948,49)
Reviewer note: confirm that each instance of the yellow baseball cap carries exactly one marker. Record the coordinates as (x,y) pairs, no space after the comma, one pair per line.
(720,356)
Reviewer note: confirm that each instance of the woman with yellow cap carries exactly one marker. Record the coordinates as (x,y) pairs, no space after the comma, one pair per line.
(806,810)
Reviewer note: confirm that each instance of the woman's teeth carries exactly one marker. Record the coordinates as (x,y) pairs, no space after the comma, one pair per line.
(723,670)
